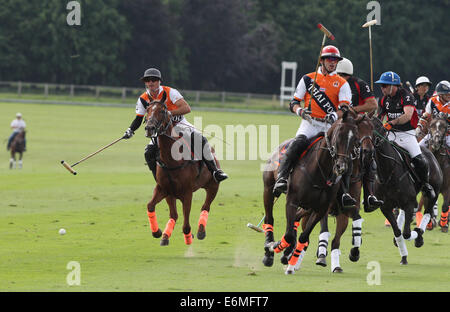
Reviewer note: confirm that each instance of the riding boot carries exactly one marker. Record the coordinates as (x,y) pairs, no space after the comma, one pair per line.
(294,150)
(151,152)
(348,202)
(422,170)
(371,203)
(210,162)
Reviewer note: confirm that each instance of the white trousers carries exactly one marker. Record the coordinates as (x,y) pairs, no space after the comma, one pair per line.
(407,140)
(312,128)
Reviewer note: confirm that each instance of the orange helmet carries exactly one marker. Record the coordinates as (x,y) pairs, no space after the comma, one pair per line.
(330,51)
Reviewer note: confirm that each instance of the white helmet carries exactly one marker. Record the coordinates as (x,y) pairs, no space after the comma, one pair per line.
(345,67)
(423,79)
(18,115)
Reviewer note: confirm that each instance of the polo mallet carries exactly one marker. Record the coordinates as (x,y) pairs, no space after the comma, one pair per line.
(410,86)
(70,168)
(369,24)
(326,33)
(257,227)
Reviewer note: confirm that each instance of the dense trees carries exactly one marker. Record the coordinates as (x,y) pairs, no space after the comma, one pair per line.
(233,45)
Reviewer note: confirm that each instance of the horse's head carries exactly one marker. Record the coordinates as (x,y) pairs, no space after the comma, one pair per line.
(365,129)
(343,138)
(380,132)
(158,118)
(438,132)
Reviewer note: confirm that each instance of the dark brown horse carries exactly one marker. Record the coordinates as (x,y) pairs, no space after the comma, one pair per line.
(438,131)
(176,177)
(313,185)
(361,162)
(17,147)
(398,186)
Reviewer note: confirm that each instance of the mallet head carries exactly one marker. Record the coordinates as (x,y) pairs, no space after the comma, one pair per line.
(68,167)
(325,31)
(369,23)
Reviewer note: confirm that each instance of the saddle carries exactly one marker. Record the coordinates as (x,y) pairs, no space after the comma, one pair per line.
(312,141)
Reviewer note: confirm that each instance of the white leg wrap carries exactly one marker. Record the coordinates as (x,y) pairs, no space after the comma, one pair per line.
(413,236)
(335,253)
(425,219)
(356,232)
(401,246)
(435,210)
(323,243)
(299,261)
(401,218)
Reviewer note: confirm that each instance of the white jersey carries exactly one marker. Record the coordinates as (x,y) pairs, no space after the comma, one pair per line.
(18,125)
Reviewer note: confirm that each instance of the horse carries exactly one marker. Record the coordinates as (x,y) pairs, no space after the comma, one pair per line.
(176,178)
(17,146)
(361,162)
(437,144)
(313,185)
(398,186)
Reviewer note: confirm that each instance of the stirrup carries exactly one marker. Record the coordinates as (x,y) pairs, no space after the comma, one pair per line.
(348,201)
(280,187)
(372,204)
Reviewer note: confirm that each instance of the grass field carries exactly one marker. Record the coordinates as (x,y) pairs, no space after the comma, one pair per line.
(103,209)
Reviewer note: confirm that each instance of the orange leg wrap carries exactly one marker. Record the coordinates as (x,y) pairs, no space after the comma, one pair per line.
(188,238)
(169,227)
(418,218)
(267,228)
(298,249)
(153,222)
(444,219)
(281,245)
(296,224)
(203,218)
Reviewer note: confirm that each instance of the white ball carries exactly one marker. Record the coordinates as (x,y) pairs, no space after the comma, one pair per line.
(62,231)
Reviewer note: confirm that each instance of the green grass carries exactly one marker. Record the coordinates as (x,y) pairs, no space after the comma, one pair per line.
(103,209)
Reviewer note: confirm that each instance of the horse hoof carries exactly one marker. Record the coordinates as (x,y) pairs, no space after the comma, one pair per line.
(418,242)
(321,260)
(157,234)
(284,259)
(267,261)
(164,240)
(404,261)
(338,270)
(201,233)
(354,254)
(290,270)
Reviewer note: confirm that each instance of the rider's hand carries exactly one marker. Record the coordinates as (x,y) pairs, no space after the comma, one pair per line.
(387,126)
(331,117)
(304,113)
(128,134)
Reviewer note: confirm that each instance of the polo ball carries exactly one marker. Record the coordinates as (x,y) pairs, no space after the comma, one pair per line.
(62,231)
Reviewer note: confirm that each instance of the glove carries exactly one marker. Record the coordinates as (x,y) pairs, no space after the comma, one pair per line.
(331,117)
(387,126)
(304,113)
(128,134)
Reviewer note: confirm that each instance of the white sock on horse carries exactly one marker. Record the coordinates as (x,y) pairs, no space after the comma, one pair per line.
(401,246)
(300,259)
(401,218)
(413,236)
(323,243)
(335,253)
(425,219)
(356,232)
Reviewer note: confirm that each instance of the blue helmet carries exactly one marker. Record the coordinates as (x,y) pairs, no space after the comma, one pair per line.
(390,78)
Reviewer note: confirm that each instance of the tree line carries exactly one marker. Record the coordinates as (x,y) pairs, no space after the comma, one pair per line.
(232,45)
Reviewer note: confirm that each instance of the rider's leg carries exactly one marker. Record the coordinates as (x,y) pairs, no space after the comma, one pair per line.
(422,170)
(294,150)
(150,154)
(208,157)
(371,203)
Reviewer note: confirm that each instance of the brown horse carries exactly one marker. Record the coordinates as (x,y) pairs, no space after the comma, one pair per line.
(176,178)
(313,185)
(17,146)
(361,163)
(437,144)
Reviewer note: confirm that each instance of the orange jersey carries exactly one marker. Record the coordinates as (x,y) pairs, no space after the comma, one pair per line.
(145,100)
(329,92)
(435,106)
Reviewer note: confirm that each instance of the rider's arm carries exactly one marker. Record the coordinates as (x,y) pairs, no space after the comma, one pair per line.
(183,107)
(136,123)
(406,117)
